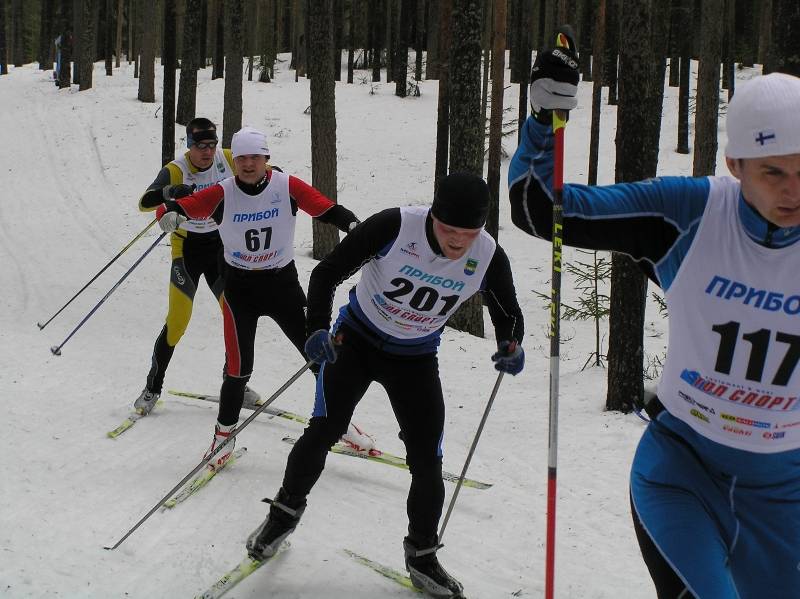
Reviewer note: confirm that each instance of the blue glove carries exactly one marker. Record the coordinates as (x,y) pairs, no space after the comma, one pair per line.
(320,347)
(509,357)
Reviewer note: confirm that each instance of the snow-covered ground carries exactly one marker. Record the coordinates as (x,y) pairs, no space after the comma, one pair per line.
(73,166)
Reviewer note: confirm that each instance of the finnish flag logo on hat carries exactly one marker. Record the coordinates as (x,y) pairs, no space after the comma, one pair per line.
(766,136)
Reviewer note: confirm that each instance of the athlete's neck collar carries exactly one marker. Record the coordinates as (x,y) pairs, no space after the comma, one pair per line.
(437,249)
(253,189)
(764,232)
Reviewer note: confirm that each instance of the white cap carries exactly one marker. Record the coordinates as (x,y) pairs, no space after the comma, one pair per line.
(763,117)
(249,141)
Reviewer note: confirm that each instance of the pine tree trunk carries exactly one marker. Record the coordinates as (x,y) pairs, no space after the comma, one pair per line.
(323,118)
(18,32)
(706,116)
(65,30)
(130,15)
(138,35)
(729,58)
(390,32)
(433,30)
(765,35)
(3,49)
(338,26)
(674,43)
(684,20)
(108,31)
(187,92)
(301,38)
(401,51)
(598,52)
(219,40)
(147,67)
(641,83)
(87,44)
(234,48)
(120,18)
(45,54)
(466,124)
(377,24)
(496,118)
(786,36)
(351,41)
(585,35)
(170,60)
(443,102)
(419,37)
(77,40)
(203,35)
(610,60)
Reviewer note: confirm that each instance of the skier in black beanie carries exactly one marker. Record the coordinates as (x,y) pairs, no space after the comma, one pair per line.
(418,265)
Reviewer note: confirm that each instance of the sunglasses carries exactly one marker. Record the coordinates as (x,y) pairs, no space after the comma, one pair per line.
(200,145)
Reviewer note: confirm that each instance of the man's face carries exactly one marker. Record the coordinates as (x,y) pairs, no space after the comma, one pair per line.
(201,153)
(251,168)
(454,241)
(771,185)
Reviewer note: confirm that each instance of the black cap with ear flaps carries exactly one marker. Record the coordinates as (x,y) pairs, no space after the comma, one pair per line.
(462,200)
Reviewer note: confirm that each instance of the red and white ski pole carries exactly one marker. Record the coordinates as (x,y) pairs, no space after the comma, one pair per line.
(559,123)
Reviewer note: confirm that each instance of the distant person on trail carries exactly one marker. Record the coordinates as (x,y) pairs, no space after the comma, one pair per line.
(418,265)
(196,245)
(255,213)
(715,482)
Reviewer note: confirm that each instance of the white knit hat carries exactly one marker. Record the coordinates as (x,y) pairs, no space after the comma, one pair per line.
(249,141)
(764,117)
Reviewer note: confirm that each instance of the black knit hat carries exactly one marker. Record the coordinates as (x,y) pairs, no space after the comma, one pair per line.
(462,200)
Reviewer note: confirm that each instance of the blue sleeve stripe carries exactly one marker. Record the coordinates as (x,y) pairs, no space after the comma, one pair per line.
(667,268)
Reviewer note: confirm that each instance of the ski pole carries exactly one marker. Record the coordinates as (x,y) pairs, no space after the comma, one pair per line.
(559,123)
(94,278)
(56,349)
(471,452)
(205,460)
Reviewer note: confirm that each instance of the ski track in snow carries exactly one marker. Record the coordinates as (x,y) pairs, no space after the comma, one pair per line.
(74,166)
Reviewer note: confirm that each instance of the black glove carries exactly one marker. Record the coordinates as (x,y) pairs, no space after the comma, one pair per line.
(181,190)
(554,80)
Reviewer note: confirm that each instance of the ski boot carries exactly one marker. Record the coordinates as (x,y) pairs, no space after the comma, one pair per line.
(284,514)
(221,433)
(358,440)
(427,573)
(250,398)
(146,401)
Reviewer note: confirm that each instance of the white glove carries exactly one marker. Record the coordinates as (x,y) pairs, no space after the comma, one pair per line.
(171,221)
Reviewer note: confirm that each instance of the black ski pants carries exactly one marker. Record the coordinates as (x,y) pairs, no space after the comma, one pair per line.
(247,296)
(415,392)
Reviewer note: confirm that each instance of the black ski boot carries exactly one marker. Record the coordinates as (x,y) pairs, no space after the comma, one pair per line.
(284,514)
(427,573)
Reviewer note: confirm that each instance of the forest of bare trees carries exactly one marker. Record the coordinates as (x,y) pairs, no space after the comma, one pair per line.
(626,47)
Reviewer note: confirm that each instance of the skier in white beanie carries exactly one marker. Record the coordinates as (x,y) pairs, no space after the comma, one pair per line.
(249,141)
(256,212)
(715,482)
